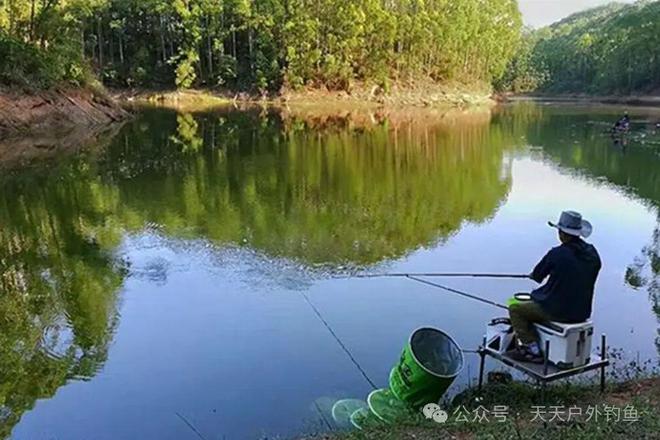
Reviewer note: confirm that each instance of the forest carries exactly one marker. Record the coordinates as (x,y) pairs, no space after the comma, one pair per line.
(614,49)
(271,45)
(256,45)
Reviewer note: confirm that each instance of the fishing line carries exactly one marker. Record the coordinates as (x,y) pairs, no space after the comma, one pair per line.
(341,344)
(458,292)
(414,278)
(191,426)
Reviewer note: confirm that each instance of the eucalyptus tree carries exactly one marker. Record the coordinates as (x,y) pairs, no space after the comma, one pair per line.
(264,44)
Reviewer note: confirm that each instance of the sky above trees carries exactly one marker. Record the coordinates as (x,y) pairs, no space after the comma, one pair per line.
(537,13)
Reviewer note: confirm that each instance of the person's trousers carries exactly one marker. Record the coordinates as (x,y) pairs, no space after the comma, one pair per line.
(523,315)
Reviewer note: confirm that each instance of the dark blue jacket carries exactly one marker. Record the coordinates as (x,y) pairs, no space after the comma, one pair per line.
(568,294)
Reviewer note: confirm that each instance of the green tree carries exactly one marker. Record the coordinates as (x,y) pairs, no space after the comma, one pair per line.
(610,49)
(264,44)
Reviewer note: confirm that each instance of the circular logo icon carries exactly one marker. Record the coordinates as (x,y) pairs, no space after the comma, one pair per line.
(440,416)
(433,411)
(430,409)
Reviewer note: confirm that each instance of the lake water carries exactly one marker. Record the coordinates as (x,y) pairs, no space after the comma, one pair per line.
(158,282)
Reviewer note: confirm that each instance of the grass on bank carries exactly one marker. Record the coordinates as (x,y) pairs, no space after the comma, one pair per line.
(636,404)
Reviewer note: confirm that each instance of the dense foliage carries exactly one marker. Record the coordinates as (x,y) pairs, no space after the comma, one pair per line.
(525,72)
(262,44)
(611,49)
(38,43)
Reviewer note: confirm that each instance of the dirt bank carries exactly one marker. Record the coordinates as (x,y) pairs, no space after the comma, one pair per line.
(402,94)
(55,111)
(40,125)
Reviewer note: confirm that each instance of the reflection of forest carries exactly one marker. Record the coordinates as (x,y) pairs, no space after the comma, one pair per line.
(338,190)
(58,288)
(337,193)
(644,272)
(576,142)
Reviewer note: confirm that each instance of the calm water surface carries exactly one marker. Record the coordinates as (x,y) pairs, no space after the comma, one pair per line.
(161,278)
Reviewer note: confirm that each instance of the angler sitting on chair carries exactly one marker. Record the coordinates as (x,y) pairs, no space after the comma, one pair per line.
(567,296)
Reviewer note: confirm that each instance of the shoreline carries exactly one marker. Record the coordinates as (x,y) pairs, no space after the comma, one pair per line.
(39,125)
(53,114)
(631,100)
(569,409)
(421,94)
(55,111)
(43,124)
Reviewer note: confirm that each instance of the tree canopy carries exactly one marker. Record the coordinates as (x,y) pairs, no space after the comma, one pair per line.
(259,44)
(609,49)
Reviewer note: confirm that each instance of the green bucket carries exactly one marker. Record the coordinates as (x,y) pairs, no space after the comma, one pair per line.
(429,364)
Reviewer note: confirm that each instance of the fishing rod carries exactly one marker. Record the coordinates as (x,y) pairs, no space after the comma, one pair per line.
(458,292)
(442,275)
(413,277)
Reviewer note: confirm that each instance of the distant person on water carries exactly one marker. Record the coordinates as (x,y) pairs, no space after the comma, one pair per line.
(571,269)
(623,124)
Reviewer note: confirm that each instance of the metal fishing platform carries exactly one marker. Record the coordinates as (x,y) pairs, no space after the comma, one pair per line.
(546,373)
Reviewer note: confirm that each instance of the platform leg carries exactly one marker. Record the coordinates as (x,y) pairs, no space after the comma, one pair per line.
(546,357)
(546,363)
(481,370)
(482,363)
(603,355)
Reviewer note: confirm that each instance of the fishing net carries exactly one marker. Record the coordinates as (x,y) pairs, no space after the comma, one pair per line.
(437,352)
(364,419)
(343,409)
(384,404)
